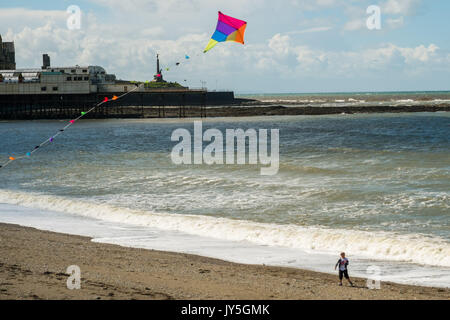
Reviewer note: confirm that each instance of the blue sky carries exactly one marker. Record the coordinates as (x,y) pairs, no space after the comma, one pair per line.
(291,45)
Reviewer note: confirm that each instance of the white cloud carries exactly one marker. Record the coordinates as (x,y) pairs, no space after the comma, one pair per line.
(356,24)
(310,30)
(175,7)
(17,18)
(401,7)
(317,63)
(280,44)
(420,53)
(316,4)
(395,23)
(125,48)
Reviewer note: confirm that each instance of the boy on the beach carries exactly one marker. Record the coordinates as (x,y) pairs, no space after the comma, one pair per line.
(343,263)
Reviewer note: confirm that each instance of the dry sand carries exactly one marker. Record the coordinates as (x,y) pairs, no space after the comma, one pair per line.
(33,265)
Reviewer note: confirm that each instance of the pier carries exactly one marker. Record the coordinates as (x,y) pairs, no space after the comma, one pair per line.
(157,104)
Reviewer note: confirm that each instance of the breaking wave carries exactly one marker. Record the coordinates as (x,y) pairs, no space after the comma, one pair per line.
(375,245)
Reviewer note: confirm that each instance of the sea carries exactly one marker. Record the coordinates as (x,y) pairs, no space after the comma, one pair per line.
(354,99)
(373,185)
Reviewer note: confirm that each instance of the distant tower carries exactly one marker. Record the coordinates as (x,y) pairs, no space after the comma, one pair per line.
(158,76)
(45,61)
(7,55)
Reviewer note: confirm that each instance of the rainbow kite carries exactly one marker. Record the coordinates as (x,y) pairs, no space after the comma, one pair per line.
(228,29)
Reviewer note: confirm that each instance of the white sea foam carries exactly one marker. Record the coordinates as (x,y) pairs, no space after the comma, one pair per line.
(375,245)
(405,101)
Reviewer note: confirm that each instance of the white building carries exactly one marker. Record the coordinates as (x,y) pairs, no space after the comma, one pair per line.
(56,80)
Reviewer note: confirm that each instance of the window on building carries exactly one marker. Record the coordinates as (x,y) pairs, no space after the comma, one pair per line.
(69,78)
(86,78)
(80,78)
(55,88)
(84,71)
(62,71)
(73,71)
(43,88)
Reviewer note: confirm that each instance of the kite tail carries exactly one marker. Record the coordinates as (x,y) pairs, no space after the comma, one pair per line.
(60,131)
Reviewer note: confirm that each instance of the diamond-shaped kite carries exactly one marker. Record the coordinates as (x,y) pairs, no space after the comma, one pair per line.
(228,29)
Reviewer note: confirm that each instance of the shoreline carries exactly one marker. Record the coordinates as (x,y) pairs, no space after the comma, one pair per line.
(33,265)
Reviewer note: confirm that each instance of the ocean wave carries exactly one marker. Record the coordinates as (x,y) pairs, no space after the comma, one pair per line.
(375,245)
(308,169)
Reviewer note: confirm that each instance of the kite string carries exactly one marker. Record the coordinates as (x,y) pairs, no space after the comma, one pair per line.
(60,131)
(187,59)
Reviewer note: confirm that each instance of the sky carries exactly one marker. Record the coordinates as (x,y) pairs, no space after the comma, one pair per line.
(290,45)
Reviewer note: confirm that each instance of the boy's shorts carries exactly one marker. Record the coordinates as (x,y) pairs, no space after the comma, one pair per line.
(343,273)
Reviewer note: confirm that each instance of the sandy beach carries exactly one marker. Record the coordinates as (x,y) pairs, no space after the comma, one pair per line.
(33,265)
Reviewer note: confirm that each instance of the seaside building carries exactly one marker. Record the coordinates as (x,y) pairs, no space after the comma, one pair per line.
(58,80)
(7,55)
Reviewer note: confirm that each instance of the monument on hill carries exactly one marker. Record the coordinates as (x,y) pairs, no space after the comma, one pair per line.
(158,76)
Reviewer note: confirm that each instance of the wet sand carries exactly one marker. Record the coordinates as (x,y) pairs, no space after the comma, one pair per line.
(33,265)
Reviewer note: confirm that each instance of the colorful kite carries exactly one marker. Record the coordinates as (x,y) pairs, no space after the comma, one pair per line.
(228,29)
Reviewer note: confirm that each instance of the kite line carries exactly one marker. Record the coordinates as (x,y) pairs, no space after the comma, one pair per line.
(227,29)
(62,130)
